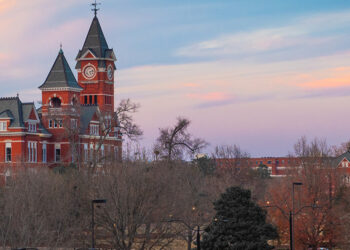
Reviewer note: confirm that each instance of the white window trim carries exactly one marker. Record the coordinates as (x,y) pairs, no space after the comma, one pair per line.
(31,127)
(3,125)
(44,152)
(86,152)
(94,129)
(58,146)
(8,145)
(32,151)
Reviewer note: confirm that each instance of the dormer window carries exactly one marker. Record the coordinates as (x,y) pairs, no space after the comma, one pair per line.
(31,127)
(55,102)
(3,126)
(94,129)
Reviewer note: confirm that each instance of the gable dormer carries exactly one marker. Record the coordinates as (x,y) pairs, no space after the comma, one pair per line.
(30,117)
(5,120)
(89,54)
(90,114)
(344,163)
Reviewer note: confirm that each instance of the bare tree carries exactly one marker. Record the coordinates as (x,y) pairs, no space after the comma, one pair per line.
(174,142)
(41,208)
(126,123)
(138,207)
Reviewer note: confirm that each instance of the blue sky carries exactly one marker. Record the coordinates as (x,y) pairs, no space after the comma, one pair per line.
(255,73)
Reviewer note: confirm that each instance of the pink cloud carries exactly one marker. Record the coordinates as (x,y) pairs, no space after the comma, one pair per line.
(5,5)
(328,83)
(328,78)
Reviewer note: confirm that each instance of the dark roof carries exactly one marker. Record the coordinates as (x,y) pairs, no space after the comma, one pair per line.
(95,40)
(6,114)
(86,114)
(60,74)
(96,43)
(39,110)
(18,112)
(43,130)
(339,158)
(26,109)
(13,106)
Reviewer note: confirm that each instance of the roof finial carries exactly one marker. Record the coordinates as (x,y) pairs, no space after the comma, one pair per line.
(61,51)
(95,9)
(17,95)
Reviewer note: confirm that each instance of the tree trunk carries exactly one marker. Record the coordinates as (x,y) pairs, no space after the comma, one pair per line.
(189,240)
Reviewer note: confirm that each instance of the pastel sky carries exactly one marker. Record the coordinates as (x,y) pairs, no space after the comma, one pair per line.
(256,73)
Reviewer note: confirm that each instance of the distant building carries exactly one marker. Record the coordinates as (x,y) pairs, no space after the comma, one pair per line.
(281,166)
(76,119)
(277,166)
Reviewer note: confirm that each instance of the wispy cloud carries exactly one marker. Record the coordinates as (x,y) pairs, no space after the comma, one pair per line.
(298,39)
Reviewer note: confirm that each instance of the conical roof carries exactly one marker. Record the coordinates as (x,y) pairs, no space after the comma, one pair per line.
(95,41)
(60,75)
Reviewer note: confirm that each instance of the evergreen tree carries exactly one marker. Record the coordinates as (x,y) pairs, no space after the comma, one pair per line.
(263,171)
(239,224)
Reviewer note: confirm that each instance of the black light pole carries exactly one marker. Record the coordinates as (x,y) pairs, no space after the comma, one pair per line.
(198,239)
(290,230)
(93,220)
(291,217)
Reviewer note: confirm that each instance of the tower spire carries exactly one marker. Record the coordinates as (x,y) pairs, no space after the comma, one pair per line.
(95,9)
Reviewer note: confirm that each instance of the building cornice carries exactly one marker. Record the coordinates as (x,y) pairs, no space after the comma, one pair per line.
(23,134)
(62,89)
(96,58)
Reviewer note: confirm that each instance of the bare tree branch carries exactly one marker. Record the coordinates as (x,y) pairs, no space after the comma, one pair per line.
(174,142)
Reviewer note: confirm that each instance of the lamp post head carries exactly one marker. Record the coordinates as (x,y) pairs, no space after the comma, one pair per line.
(297,183)
(99,201)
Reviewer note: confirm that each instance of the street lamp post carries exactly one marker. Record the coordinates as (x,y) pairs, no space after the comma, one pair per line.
(198,239)
(93,202)
(190,230)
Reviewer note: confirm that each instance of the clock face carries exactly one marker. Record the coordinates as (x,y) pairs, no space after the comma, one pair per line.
(110,72)
(89,72)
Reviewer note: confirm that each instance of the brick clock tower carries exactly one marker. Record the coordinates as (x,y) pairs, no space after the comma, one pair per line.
(95,67)
(76,122)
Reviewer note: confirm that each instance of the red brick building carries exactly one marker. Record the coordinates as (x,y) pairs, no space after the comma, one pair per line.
(281,166)
(76,122)
(277,166)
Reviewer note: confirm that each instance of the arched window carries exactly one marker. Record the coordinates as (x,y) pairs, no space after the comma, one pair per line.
(55,102)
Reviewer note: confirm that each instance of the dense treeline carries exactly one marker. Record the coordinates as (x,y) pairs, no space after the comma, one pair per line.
(158,200)
(149,205)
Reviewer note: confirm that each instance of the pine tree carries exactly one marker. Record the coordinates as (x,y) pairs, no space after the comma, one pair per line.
(239,224)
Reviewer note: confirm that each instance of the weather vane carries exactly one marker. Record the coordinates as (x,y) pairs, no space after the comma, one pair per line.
(95,9)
